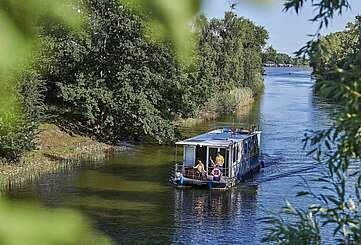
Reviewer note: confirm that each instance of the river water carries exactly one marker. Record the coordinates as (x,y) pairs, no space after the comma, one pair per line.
(129,199)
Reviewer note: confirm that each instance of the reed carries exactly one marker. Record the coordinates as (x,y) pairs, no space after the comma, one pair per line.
(57,151)
(232,101)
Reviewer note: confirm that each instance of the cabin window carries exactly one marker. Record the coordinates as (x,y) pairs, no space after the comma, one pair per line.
(189,155)
(253,145)
(213,153)
(245,148)
(256,145)
(201,154)
(250,147)
(235,153)
(226,153)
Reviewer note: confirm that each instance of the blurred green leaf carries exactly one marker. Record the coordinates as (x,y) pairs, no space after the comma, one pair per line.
(173,17)
(18,38)
(32,225)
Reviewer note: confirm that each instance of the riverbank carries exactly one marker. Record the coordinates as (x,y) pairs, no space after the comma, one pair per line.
(56,150)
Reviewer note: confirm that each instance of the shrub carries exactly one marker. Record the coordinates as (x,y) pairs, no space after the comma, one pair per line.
(225,103)
(18,129)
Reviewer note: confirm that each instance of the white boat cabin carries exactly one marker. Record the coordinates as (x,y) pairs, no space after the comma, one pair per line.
(240,149)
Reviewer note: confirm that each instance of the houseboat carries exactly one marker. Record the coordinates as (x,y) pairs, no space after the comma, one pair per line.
(220,158)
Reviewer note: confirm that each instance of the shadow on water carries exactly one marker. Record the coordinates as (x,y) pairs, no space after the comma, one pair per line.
(129,198)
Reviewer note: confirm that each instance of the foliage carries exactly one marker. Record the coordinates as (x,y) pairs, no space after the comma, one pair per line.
(18,39)
(324,9)
(304,231)
(18,130)
(336,210)
(334,51)
(24,224)
(271,55)
(19,113)
(169,19)
(232,101)
(111,78)
(107,80)
(229,55)
(225,103)
(115,82)
(227,72)
(110,81)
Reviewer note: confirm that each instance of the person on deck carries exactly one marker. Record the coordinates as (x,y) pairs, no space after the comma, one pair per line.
(200,169)
(219,160)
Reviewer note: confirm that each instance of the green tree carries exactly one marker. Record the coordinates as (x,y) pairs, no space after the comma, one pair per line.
(229,54)
(115,82)
(334,51)
(269,55)
(110,81)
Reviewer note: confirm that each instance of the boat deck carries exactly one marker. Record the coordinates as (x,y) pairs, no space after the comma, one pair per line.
(209,182)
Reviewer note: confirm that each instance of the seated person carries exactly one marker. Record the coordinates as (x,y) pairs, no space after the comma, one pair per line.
(216,173)
(219,160)
(200,171)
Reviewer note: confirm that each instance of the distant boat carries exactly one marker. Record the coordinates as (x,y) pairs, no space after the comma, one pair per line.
(239,148)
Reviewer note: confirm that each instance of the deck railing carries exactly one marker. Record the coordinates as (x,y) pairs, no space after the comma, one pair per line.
(178,167)
(225,171)
(190,172)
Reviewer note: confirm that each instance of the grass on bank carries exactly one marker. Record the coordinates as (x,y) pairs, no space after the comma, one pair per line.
(228,102)
(55,149)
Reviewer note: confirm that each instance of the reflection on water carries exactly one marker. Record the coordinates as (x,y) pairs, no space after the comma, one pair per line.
(129,198)
(215,217)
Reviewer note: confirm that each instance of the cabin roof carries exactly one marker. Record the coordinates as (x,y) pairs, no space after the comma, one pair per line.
(219,138)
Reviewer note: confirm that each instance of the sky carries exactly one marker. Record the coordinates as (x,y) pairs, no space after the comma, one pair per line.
(288,31)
